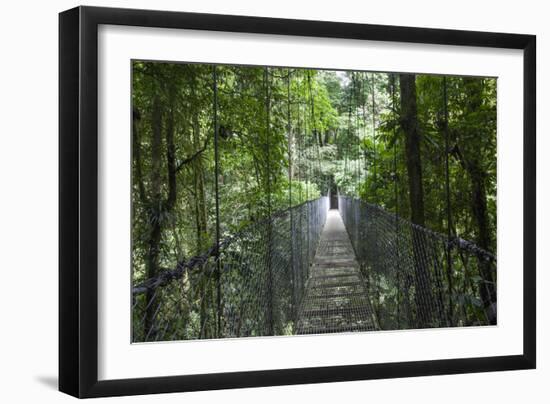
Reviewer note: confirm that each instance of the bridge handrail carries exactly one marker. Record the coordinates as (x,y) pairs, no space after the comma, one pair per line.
(181,267)
(455,241)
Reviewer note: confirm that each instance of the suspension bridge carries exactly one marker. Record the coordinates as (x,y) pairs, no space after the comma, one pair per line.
(328,265)
(314,270)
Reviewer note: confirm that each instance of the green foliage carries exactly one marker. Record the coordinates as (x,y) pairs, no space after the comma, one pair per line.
(286,136)
(256,153)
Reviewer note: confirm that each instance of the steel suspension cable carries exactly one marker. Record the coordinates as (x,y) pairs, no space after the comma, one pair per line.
(374,138)
(291,238)
(357,159)
(299,150)
(396,198)
(308,170)
(364,152)
(267,137)
(316,135)
(289,141)
(306,153)
(448,201)
(217,194)
(270,319)
(395,175)
(353,114)
(349,133)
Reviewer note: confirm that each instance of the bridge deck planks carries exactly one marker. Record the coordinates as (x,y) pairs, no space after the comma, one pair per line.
(336,297)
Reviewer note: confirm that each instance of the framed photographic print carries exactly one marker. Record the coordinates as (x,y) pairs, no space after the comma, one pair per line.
(251,201)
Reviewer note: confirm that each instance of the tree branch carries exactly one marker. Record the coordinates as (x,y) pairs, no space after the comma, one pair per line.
(192,157)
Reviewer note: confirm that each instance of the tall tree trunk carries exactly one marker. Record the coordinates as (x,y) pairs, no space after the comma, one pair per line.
(136,150)
(479,206)
(155,209)
(327,136)
(478,177)
(200,198)
(409,124)
(200,215)
(171,154)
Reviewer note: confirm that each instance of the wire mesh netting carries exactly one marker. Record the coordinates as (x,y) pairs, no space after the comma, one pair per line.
(336,298)
(417,278)
(287,275)
(250,285)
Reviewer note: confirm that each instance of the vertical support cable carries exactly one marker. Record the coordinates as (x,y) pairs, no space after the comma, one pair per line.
(374,137)
(291,211)
(346,156)
(375,183)
(396,197)
(270,319)
(395,178)
(217,196)
(307,175)
(353,112)
(448,197)
(359,132)
(299,152)
(356,116)
(356,213)
(308,181)
(316,136)
(289,141)
(364,153)
(304,144)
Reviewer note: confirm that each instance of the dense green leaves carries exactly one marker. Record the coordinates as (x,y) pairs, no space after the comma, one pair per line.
(288,135)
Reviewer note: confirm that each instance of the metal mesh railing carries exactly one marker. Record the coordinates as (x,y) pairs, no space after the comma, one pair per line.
(417,278)
(250,285)
(336,298)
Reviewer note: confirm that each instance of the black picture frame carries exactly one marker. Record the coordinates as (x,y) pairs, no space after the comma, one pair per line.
(78,201)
